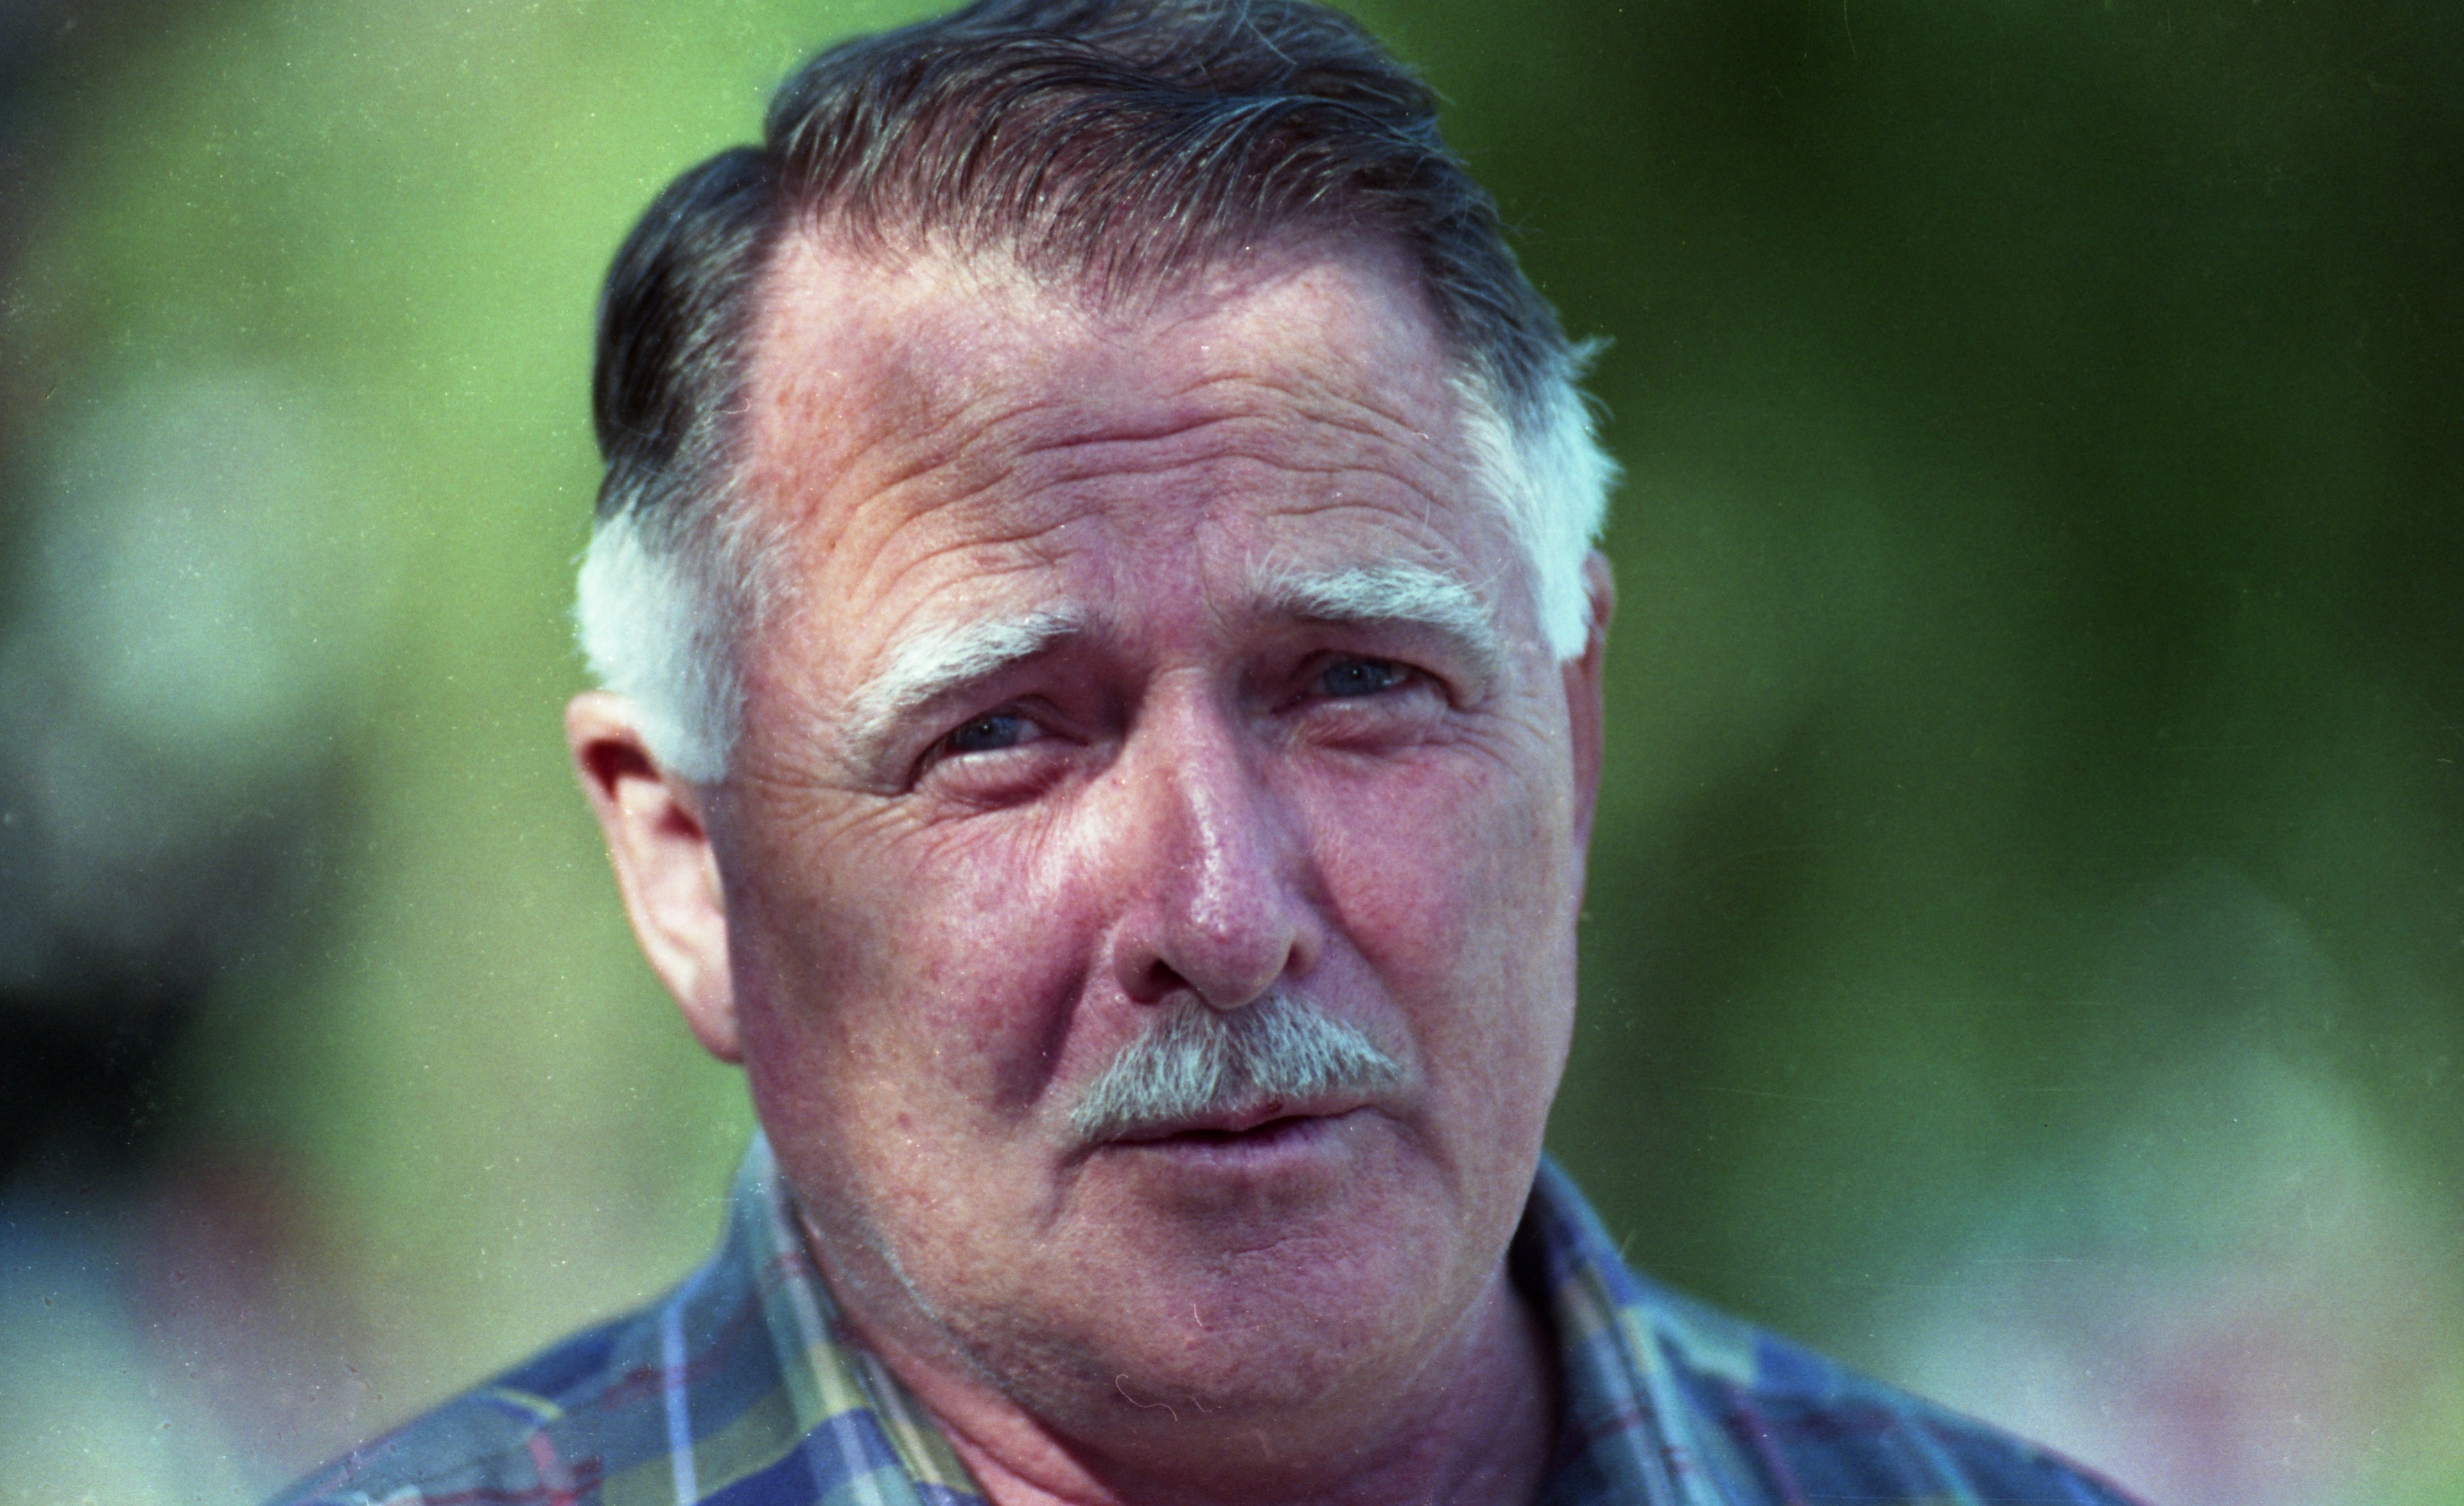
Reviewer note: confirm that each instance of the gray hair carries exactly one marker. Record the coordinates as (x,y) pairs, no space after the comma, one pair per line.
(1195,1060)
(1110,144)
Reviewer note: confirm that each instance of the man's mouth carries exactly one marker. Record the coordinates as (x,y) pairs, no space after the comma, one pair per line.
(1255,1127)
(1223,1123)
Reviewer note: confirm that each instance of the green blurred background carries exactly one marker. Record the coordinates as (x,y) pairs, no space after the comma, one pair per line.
(2025,952)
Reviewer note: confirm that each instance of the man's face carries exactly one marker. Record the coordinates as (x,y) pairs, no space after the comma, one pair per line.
(1130,660)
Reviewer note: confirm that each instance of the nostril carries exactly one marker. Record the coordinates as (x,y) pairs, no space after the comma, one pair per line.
(1155,982)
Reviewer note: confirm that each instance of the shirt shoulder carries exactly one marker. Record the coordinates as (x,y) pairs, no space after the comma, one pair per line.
(551,1428)
(1669,1400)
(732,1386)
(1809,1428)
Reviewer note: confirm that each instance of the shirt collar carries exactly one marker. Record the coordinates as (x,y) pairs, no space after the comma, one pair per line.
(1624,1437)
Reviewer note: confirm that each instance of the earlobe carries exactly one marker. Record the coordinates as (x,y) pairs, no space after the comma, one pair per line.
(666,867)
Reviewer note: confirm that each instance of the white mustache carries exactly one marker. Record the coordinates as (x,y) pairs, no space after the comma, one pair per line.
(1196,1061)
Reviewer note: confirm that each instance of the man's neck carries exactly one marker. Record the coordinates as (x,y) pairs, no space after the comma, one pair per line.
(1475,1426)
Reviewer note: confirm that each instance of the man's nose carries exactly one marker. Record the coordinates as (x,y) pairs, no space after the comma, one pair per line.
(1211,862)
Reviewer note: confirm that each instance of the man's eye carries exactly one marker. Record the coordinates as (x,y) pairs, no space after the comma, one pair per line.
(992,733)
(1349,678)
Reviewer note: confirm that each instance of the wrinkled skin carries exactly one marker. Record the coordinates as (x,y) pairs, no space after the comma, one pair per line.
(925,934)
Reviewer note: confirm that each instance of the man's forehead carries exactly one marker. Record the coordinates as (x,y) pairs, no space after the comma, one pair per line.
(912,359)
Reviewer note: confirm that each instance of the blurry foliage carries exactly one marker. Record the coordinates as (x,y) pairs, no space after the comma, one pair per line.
(2038,687)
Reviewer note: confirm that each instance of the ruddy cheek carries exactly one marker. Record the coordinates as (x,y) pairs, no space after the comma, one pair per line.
(986,980)
(1396,896)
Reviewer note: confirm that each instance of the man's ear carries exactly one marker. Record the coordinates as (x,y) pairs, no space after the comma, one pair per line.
(1585,708)
(665,866)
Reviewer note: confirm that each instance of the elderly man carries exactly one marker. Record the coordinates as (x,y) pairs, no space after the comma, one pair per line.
(1102,647)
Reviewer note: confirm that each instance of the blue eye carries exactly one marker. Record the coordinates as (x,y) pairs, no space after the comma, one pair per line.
(1351,677)
(990,734)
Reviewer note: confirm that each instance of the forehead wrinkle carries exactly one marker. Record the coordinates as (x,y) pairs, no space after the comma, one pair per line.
(938,568)
(1094,463)
(1350,408)
(902,388)
(916,416)
(1060,452)
(1045,500)
(1397,455)
(889,448)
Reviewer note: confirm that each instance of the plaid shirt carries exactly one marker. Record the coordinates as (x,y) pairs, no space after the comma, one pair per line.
(736,1388)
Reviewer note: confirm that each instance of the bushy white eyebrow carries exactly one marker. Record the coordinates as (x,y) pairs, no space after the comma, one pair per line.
(937,660)
(940,659)
(1406,595)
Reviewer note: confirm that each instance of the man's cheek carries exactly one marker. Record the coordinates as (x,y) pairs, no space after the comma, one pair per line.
(1418,866)
(979,972)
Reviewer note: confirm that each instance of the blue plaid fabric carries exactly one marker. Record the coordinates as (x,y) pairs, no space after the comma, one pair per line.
(735,1389)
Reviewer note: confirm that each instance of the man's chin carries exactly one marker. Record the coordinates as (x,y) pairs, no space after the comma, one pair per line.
(1255,1270)
(1273,1348)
